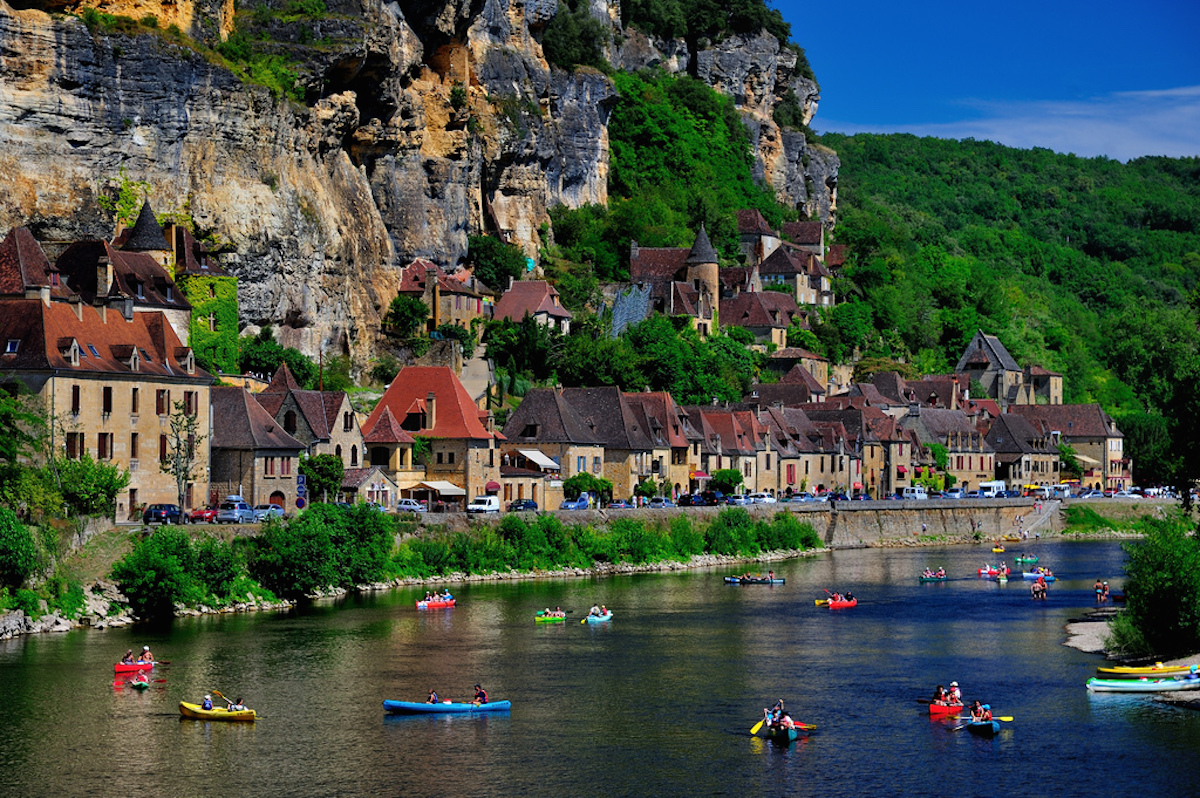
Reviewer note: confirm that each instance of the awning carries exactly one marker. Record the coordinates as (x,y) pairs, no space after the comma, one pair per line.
(858,486)
(492,486)
(902,469)
(539,458)
(443,488)
(1083,458)
(700,475)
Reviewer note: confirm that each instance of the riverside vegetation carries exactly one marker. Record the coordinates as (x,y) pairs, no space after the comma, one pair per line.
(334,547)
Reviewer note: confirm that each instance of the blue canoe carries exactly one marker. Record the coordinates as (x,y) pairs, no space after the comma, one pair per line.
(984,728)
(598,618)
(414,708)
(753,580)
(1034,575)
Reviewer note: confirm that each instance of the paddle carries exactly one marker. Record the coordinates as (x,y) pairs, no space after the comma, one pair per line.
(819,602)
(1005,718)
(754,729)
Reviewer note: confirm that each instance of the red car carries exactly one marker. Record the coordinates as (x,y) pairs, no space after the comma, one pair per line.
(203,515)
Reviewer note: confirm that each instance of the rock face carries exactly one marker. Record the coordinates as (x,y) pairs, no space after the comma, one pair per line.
(423,122)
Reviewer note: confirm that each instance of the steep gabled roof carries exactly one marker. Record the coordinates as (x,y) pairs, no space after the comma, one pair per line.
(455,415)
(751,222)
(80,262)
(245,424)
(1083,421)
(656,264)
(759,309)
(191,257)
(1011,433)
(414,276)
(809,233)
(23,264)
(987,348)
(786,262)
(387,430)
(283,381)
(891,385)
(554,417)
(532,297)
(664,419)
(609,417)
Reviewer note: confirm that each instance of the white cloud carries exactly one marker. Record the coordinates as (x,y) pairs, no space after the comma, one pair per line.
(1121,125)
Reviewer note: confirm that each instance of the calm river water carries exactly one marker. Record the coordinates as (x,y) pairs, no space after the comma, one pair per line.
(659,702)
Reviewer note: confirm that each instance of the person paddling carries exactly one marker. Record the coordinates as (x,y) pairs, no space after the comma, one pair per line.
(481,696)
(128,658)
(235,706)
(146,655)
(433,697)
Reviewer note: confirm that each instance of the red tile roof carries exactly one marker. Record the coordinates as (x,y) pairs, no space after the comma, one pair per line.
(387,430)
(759,309)
(79,262)
(656,265)
(22,263)
(455,415)
(45,332)
(413,277)
(245,424)
(532,297)
(751,222)
(804,232)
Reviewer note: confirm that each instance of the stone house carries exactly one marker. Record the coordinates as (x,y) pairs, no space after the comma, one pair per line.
(1098,443)
(728,443)
(629,453)
(370,484)
(808,236)
(324,421)
(389,447)
(756,239)
(970,459)
(449,299)
(546,441)
(767,315)
(667,424)
(802,273)
(430,403)
(1025,455)
(252,455)
(681,282)
(537,298)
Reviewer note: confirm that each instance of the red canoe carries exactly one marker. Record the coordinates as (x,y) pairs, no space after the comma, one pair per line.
(838,605)
(433,605)
(132,667)
(945,709)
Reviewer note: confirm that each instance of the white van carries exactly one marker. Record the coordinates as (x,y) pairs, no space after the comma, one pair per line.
(484,504)
(914,492)
(990,490)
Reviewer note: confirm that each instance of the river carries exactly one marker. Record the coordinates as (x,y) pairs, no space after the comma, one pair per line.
(657,702)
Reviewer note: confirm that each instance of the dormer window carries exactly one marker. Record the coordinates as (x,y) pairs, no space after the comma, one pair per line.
(92,349)
(170,294)
(145,356)
(139,289)
(12,346)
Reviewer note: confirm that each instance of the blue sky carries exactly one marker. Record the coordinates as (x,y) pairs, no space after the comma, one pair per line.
(1098,78)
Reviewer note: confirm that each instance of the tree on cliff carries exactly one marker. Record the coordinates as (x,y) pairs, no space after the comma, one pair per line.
(494,262)
(262,354)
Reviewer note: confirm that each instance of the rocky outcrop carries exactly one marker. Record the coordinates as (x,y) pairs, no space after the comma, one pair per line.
(422,123)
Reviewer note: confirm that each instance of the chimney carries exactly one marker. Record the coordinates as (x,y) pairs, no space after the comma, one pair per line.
(914,409)
(430,410)
(511,279)
(633,249)
(104,276)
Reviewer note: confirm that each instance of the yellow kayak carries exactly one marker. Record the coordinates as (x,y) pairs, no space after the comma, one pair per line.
(200,713)
(1158,669)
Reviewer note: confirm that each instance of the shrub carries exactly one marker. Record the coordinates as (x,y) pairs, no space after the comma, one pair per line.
(297,558)
(158,573)
(1162,585)
(362,539)
(218,566)
(18,552)
(732,532)
(684,537)
(89,486)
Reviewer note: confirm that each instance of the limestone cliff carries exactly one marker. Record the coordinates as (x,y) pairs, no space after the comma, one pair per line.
(420,122)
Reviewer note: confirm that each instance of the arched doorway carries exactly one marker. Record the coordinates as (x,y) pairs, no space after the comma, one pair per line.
(278,498)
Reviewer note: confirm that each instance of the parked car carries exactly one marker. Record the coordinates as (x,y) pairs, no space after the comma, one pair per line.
(1126,494)
(761,498)
(520,505)
(163,514)
(484,504)
(973,494)
(860,497)
(738,498)
(235,512)
(660,503)
(264,511)
(954,493)
(803,497)
(619,504)
(838,497)
(936,494)
(688,500)
(580,503)
(410,506)
(712,498)
(204,515)
(821,497)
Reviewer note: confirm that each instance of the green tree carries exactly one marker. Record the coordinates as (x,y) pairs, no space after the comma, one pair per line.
(157,574)
(726,480)
(18,552)
(21,428)
(584,482)
(323,476)
(406,316)
(493,262)
(1068,460)
(183,438)
(89,486)
(123,197)
(298,558)
(1162,589)
(574,37)
(262,354)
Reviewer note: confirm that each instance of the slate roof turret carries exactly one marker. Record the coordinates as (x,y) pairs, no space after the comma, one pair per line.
(702,250)
(146,234)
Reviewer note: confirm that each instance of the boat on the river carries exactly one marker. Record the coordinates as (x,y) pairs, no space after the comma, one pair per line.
(132,667)
(998,549)
(598,618)
(543,617)
(1143,685)
(423,708)
(984,728)
(753,580)
(938,710)
(843,605)
(991,570)
(1031,559)
(435,604)
(1010,538)
(1157,669)
(782,734)
(1035,574)
(941,578)
(197,712)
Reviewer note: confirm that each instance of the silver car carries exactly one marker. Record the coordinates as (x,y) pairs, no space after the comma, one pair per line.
(264,511)
(235,512)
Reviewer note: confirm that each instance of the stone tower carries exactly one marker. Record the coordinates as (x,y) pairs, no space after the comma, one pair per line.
(704,273)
